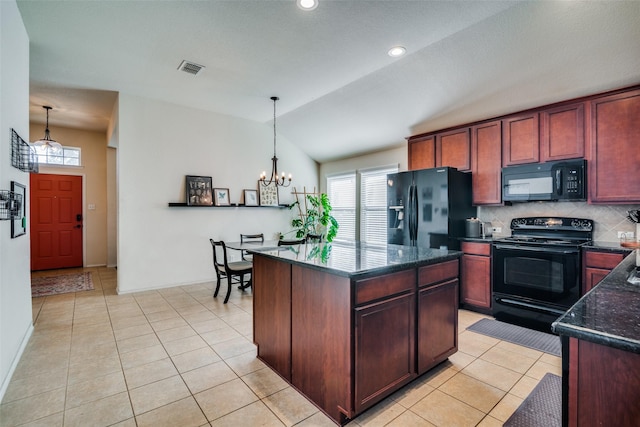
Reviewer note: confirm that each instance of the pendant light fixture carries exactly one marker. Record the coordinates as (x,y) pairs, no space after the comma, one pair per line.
(275,178)
(46,142)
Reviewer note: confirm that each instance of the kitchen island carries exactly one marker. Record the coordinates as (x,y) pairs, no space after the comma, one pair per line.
(349,325)
(601,353)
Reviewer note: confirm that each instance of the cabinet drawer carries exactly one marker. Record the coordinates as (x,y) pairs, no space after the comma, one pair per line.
(384,286)
(602,259)
(438,272)
(474,248)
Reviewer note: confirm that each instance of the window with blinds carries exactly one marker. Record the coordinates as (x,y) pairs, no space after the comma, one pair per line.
(341,190)
(373,205)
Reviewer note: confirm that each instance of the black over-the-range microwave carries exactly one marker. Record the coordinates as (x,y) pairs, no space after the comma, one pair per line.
(560,180)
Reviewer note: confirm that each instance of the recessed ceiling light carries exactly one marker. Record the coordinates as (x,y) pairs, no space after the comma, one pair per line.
(397,51)
(307,4)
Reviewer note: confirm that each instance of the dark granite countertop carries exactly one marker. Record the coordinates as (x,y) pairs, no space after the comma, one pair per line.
(359,260)
(606,247)
(609,314)
(476,239)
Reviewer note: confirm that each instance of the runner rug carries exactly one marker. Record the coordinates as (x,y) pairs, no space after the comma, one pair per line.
(515,334)
(543,406)
(60,284)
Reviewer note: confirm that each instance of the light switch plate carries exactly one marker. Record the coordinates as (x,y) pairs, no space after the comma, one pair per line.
(91,207)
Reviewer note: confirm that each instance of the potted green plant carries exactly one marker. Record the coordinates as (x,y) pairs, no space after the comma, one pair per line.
(316,219)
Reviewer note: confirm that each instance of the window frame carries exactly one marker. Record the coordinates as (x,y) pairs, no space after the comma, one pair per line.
(46,154)
(392,168)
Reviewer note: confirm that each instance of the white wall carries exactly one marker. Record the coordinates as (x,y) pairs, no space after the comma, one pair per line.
(15,280)
(394,156)
(158,144)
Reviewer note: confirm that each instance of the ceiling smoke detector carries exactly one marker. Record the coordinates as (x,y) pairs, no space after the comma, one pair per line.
(190,67)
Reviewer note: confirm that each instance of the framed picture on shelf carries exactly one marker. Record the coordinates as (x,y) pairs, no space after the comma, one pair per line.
(251,197)
(199,191)
(268,194)
(221,196)
(18,221)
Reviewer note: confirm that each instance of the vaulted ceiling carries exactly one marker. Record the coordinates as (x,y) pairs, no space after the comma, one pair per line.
(340,93)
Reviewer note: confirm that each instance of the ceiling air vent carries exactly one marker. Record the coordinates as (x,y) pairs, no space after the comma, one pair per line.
(190,67)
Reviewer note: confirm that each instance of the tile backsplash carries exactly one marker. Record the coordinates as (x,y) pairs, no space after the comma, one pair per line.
(609,219)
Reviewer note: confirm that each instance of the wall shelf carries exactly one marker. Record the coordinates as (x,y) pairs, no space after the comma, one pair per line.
(233,205)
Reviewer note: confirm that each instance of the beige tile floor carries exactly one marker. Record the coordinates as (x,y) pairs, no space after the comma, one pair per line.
(178,357)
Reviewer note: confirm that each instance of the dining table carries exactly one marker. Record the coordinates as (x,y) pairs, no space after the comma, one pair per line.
(252,245)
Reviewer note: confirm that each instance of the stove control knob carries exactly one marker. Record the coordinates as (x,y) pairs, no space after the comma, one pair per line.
(519,222)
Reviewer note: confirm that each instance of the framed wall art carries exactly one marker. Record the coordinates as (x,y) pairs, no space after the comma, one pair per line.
(199,191)
(19,220)
(251,197)
(221,196)
(268,194)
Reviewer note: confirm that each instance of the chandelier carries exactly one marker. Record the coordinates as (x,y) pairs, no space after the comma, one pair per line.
(275,179)
(47,142)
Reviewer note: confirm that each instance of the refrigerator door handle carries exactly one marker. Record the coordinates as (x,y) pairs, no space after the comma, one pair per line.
(414,214)
(409,213)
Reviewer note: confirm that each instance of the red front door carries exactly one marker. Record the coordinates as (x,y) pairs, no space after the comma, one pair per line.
(56,221)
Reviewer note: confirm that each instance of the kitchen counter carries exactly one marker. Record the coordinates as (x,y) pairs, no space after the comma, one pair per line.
(606,247)
(609,314)
(478,239)
(348,325)
(600,338)
(359,260)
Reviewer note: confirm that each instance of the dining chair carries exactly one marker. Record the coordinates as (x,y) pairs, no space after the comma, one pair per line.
(250,238)
(283,242)
(228,270)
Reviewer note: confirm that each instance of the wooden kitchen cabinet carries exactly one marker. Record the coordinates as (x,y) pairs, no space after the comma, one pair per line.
(615,154)
(422,153)
(384,348)
(596,266)
(272,330)
(562,133)
(437,314)
(486,163)
(603,384)
(520,139)
(453,149)
(475,276)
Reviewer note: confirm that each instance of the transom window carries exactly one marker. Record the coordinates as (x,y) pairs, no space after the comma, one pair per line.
(68,156)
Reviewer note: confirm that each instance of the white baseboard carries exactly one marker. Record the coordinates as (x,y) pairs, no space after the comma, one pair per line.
(16,360)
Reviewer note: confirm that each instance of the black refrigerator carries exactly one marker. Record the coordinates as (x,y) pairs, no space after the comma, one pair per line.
(428,207)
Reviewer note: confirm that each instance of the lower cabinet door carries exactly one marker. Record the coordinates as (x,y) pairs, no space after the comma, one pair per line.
(476,280)
(437,324)
(384,348)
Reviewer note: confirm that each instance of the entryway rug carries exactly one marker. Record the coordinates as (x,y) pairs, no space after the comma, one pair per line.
(543,406)
(537,340)
(60,284)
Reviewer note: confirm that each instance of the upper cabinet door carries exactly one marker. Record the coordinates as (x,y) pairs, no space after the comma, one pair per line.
(422,153)
(486,163)
(520,140)
(454,149)
(562,133)
(615,152)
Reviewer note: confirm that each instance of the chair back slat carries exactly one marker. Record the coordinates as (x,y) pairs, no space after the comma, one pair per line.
(283,242)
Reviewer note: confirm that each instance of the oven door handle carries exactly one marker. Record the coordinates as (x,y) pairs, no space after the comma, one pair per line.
(542,309)
(539,249)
